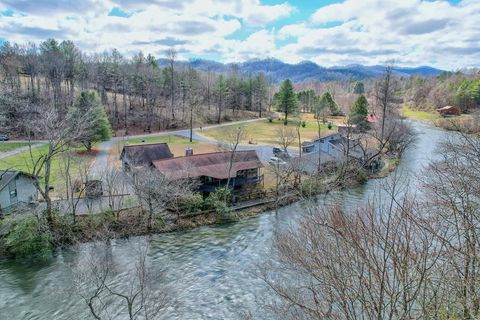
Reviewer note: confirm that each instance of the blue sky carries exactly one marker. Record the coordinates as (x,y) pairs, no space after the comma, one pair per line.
(439,33)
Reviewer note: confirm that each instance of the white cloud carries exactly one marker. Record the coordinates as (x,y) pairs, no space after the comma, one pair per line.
(409,31)
(412,32)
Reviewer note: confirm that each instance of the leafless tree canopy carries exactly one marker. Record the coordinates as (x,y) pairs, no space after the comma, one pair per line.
(397,257)
(135,298)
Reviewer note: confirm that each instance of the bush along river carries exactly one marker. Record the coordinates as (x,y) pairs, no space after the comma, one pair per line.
(209,272)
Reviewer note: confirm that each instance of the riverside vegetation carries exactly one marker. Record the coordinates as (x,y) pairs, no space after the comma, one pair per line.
(166,205)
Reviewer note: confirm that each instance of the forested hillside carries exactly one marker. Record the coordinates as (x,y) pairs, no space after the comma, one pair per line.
(455,89)
(138,93)
(145,93)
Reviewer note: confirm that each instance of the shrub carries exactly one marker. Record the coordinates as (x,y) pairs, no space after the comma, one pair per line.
(216,200)
(97,221)
(311,186)
(191,203)
(304,124)
(28,237)
(329,126)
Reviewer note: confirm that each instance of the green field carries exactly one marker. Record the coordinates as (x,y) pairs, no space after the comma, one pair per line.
(265,132)
(170,139)
(177,144)
(419,115)
(429,116)
(9,146)
(23,162)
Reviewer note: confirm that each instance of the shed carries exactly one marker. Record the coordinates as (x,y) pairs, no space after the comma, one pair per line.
(16,187)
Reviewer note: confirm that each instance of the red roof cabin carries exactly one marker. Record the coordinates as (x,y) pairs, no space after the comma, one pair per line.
(449,111)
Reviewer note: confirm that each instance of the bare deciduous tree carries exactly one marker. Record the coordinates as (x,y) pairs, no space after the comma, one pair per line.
(50,123)
(369,263)
(286,136)
(137,297)
(230,143)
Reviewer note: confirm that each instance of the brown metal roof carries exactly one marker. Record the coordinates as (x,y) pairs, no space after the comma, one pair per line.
(147,153)
(213,165)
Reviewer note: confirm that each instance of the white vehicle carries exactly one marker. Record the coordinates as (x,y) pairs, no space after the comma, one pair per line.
(275,161)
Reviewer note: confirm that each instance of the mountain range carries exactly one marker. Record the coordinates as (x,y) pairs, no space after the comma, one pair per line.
(304,71)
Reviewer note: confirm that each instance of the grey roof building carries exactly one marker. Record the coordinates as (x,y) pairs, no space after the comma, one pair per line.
(16,187)
(144,154)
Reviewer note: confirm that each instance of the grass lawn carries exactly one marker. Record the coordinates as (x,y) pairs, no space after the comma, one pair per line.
(265,133)
(177,145)
(419,115)
(429,116)
(23,162)
(9,146)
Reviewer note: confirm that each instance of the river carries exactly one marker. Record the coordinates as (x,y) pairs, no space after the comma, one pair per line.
(209,271)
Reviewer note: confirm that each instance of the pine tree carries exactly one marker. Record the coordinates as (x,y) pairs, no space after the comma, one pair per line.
(359,113)
(88,103)
(359,88)
(287,99)
(326,101)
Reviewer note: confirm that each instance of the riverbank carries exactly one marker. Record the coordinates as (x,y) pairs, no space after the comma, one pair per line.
(466,123)
(30,235)
(214,263)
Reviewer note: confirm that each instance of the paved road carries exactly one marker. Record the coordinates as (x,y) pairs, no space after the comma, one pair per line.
(19,150)
(101,160)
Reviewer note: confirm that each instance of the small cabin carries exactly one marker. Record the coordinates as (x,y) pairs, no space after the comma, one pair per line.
(449,111)
(16,187)
(143,155)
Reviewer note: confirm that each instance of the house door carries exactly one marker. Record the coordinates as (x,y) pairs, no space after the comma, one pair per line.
(12,188)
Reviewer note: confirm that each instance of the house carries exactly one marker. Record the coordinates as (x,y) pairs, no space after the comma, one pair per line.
(324,142)
(211,169)
(449,111)
(336,145)
(16,187)
(144,154)
(340,146)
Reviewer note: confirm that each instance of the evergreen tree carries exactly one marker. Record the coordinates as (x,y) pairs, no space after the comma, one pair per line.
(287,99)
(326,101)
(468,95)
(359,88)
(359,113)
(88,105)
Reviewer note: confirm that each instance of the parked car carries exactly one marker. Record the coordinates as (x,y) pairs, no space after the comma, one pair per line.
(4,137)
(279,153)
(275,161)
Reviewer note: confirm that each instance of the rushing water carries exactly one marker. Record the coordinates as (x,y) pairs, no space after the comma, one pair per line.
(209,271)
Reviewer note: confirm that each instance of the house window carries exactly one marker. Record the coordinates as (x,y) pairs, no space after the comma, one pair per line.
(208,179)
(12,188)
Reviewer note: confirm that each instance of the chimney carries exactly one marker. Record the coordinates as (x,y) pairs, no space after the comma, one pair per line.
(188,151)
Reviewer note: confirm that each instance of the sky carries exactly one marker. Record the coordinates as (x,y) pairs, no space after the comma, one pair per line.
(438,33)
